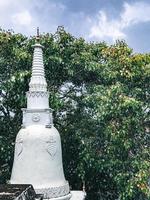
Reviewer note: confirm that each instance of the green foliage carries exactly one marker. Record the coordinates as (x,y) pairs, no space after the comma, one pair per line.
(100,98)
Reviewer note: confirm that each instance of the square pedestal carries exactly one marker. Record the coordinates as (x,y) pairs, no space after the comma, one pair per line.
(78,195)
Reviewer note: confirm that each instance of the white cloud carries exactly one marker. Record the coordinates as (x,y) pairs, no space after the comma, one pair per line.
(25,15)
(103,28)
(3,3)
(22,18)
(16,15)
(132,14)
(135,13)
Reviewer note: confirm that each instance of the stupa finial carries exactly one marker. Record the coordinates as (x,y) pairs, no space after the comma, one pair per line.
(38,34)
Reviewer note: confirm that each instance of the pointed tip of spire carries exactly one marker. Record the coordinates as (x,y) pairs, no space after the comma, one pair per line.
(37,42)
(38,34)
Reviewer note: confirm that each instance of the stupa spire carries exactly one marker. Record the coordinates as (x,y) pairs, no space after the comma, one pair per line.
(38,81)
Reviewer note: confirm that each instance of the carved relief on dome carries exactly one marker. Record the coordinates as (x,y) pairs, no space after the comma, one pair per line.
(19,146)
(51,146)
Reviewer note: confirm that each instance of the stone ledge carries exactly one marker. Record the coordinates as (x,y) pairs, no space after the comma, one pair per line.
(18,192)
(27,192)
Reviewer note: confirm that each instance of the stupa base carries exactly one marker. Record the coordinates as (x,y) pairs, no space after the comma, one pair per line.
(55,192)
(74,195)
(66,197)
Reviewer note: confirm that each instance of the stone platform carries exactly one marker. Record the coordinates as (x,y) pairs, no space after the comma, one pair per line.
(26,192)
(18,192)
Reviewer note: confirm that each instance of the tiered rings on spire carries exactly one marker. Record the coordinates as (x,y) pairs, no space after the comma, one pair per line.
(38,82)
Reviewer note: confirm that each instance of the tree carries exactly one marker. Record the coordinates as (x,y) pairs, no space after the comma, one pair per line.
(100,98)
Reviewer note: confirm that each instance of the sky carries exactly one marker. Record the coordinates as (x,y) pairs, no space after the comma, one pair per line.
(94,20)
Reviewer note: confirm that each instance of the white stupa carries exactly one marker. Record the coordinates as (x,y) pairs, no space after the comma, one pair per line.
(38,154)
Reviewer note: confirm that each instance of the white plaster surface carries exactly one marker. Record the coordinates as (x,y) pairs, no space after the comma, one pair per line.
(37,100)
(38,157)
(38,82)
